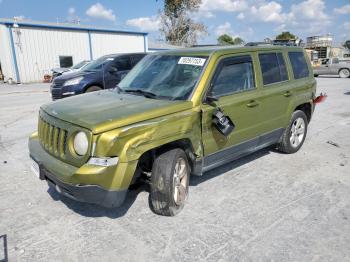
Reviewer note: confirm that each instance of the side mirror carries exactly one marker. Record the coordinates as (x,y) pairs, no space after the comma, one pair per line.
(210,99)
(113,70)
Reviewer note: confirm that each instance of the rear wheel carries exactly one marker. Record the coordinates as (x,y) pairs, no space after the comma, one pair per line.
(315,75)
(294,136)
(344,73)
(93,89)
(169,182)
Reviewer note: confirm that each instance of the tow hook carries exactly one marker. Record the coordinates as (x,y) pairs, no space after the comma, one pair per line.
(321,98)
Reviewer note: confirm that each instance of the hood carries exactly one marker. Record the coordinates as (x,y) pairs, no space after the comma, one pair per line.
(106,110)
(60,70)
(73,74)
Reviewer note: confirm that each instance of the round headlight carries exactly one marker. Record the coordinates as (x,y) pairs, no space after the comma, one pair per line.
(81,143)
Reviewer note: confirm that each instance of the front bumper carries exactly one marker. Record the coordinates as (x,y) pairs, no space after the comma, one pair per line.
(105,186)
(59,91)
(84,193)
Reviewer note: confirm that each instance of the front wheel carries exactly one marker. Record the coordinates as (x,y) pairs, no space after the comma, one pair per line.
(344,73)
(169,182)
(93,89)
(294,135)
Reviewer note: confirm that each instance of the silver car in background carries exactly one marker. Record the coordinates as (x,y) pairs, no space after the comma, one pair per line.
(332,66)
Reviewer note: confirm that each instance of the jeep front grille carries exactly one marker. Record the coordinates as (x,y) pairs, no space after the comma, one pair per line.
(53,139)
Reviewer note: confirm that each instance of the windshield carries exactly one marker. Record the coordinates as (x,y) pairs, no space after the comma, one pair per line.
(164,76)
(79,65)
(97,64)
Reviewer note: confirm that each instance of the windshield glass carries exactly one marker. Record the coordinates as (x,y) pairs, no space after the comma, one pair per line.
(97,64)
(79,65)
(164,76)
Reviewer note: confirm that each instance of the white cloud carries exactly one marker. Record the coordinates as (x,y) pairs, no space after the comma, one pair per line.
(347,25)
(268,12)
(224,5)
(309,10)
(99,11)
(240,16)
(145,23)
(224,29)
(308,17)
(342,10)
(71,11)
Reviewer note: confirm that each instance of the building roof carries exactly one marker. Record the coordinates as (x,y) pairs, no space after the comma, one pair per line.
(65,26)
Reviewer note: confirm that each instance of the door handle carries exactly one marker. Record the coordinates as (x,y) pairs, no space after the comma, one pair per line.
(287,94)
(252,103)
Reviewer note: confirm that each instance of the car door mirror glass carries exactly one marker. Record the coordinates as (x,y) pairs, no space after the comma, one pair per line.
(113,70)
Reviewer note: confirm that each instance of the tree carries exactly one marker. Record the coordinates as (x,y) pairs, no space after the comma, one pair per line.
(238,41)
(286,36)
(176,24)
(225,39)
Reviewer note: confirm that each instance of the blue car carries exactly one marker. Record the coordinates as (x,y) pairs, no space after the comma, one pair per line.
(103,73)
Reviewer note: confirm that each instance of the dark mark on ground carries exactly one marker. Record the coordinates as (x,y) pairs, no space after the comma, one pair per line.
(332,143)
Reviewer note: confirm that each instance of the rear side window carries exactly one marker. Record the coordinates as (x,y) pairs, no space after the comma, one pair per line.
(122,63)
(299,65)
(233,75)
(273,68)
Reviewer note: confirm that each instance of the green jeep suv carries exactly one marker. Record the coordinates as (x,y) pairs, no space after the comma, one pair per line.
(177,113)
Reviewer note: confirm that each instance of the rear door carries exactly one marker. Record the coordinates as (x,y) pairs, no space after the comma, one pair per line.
(276,92)
(234,85)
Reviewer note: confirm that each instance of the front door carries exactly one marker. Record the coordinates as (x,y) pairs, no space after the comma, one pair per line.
(117,70)
(234,86)
(323,68)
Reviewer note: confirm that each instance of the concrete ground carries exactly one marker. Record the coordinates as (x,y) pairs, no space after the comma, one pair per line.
(265,207)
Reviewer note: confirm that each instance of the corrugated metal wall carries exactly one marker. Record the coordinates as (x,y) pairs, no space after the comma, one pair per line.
(103,44)
(38,49)
(6,60)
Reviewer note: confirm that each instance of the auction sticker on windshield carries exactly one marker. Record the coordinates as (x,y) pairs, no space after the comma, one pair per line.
(196,61)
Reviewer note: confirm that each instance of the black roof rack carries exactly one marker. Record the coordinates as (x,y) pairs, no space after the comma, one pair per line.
(256,43)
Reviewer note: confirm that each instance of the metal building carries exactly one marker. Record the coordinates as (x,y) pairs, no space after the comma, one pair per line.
(29,50)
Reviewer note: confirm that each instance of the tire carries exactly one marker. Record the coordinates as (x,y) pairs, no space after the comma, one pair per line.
(169,183)
(344,73)
(292,138)
(93,89)
(315,75)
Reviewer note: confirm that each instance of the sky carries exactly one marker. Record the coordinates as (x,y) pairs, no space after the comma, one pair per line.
(252,20)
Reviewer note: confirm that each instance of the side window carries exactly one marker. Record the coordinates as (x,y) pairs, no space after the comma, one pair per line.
(273,68)
(137,58)
(299,65)
(122,63)
(66,61)
(233,75)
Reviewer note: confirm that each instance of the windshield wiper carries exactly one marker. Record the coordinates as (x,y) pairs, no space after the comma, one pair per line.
(139,91)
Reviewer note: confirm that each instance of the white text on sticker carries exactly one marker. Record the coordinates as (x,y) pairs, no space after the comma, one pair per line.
(196,61)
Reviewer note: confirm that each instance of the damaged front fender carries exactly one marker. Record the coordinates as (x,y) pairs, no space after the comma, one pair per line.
(130,142)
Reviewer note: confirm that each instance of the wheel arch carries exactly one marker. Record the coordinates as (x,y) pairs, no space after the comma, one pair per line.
(343,68)
(93,84)
(147,158)
(307,109)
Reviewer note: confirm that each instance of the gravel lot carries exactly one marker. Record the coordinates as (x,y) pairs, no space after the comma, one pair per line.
(265,207)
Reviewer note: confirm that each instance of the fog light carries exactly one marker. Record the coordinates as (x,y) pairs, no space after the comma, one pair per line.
(110,161)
